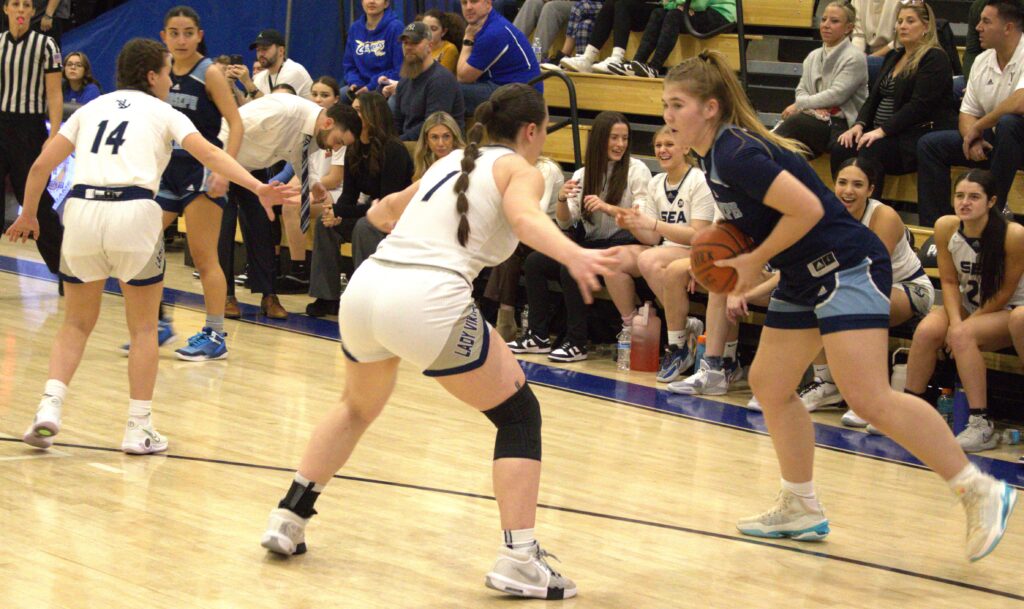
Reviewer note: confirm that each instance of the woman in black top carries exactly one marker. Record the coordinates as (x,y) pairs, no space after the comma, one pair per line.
(378,164)
(912,96)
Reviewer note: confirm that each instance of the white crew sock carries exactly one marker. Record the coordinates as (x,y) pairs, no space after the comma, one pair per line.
(520,540)
(140,410)
(803,490)
(730,350)
(821,371)
(677,337)
(55,389)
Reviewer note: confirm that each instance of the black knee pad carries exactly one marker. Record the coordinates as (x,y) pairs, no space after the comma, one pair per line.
(518,422)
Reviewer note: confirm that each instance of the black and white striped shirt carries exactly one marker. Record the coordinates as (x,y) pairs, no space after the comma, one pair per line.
(24,63)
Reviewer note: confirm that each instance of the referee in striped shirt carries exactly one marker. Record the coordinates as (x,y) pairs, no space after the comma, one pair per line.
(30,91)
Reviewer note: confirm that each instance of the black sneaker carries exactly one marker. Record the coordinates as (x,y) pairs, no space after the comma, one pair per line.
(321,307)
(568,352)
(622,69)
(641,69)
(528,343)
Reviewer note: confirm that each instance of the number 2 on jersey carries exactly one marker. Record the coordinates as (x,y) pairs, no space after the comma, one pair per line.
(115,140)
(973,289)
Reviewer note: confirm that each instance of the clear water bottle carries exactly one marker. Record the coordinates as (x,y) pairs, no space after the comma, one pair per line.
(945,405)
(622,352)
(343,283)
(525,321)
(1007,213)
(538,49)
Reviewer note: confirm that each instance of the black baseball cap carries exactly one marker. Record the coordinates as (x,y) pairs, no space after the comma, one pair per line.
(416,32)
(268,37)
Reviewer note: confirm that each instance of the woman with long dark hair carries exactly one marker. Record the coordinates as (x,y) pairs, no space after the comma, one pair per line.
(80,86)
(610,183)
(981,261)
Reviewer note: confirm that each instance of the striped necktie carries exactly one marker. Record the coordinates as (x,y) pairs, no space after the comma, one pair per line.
(304,174)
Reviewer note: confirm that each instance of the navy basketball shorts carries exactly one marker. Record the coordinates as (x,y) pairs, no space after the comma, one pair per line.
(183,181)
(841,299)
(424,315)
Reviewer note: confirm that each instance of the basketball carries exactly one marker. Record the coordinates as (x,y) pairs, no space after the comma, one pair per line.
(717,242)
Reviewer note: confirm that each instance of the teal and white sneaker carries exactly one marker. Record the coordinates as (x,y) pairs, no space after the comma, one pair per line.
(989,503)
(206,345)
(791,517)
(527,574)
(46,423)
(164,334)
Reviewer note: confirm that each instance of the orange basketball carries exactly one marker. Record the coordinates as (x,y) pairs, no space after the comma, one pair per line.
(717,242)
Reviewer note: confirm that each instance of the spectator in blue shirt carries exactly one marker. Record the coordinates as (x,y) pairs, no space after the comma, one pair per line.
(373,53)
(494,53)
(79,85)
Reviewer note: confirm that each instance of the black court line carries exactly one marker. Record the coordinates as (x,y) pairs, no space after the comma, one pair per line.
(591,514)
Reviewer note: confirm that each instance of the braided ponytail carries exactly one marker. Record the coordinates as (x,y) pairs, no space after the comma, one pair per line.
(483,115)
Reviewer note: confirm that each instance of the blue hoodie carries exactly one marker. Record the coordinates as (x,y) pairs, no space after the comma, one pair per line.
(372,54)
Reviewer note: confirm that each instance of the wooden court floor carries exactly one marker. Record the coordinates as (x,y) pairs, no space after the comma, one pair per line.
(638,505)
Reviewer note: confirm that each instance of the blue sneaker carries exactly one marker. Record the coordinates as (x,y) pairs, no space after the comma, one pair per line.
(676,361)
(205,346)
(164,334)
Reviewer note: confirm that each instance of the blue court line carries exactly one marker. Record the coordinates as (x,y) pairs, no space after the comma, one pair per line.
(796,548)
(629,394)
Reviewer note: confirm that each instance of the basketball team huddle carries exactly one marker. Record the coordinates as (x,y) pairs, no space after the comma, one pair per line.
(469,211)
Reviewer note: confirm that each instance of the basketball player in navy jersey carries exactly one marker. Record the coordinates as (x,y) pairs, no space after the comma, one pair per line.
(187,188)
(834,287)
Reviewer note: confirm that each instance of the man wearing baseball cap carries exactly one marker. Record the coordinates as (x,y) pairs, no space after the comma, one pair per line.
(277,68)
(425,86)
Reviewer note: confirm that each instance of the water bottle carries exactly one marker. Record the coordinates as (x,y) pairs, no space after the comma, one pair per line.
(699,353)
(622,352)
(1007,213)
(945,405)
(645,340)
(525,321)
(961,410)
(538,49)
(343,283)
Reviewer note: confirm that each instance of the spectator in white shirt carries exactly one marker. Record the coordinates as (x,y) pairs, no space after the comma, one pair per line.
(991,121)
(271,55)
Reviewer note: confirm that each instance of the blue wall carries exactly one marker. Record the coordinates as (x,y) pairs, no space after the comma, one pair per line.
(230,26)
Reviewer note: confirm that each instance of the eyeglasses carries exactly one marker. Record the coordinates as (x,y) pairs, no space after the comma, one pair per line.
(912,2)
(72,64)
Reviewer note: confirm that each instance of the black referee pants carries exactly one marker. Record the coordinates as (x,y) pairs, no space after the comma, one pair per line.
(21,141)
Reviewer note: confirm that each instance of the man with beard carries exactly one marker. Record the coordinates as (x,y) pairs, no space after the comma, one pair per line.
(271,55)
(281,127)
(426,86)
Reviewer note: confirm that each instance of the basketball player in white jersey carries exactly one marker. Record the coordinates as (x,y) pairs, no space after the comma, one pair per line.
(412,300)
(981,265)
(114,228)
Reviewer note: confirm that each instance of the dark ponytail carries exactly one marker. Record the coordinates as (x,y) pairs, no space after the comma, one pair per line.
(510,107)
(992,258)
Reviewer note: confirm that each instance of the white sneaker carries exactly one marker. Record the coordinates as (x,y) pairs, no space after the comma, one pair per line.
(551,67)
(46,423)
(791,517)
(818,394)
(605,66)
(579,63)
(753,404)
(988,503)
(703,382)
(286,533)
(850,419)
(979,435)
(142,439)
(527,574)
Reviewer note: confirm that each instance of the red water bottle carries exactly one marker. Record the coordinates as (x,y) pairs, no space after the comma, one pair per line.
(645,340)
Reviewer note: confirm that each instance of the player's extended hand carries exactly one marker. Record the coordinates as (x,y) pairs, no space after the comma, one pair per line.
(276,193)
(25,227)
(586,265)
(216,186)
(748,270)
